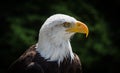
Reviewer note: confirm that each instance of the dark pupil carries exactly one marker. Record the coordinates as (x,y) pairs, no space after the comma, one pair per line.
(66,24)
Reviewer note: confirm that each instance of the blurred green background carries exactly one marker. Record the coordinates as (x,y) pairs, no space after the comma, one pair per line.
(20,22)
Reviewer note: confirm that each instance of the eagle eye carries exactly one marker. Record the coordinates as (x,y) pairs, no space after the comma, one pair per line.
(66,24)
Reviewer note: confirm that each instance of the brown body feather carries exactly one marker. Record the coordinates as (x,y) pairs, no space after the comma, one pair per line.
(32,62)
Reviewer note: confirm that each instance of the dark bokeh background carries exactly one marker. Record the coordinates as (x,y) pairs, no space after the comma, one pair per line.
(20,22)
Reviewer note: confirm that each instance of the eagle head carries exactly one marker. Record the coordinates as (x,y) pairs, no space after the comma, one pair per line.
(54,36)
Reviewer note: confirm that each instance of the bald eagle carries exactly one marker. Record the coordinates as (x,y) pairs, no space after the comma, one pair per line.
(53,52)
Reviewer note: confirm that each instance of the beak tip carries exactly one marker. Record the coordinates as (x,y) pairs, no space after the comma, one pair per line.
(86,35)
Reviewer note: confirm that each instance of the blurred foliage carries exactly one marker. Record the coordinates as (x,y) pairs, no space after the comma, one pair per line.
(21,21)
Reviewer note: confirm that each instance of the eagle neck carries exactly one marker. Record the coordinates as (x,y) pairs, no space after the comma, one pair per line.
(54,49)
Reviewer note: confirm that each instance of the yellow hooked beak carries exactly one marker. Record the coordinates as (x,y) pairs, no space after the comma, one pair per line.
(79,27)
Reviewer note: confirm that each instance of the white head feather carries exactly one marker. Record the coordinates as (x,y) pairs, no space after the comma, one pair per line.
(54,41)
